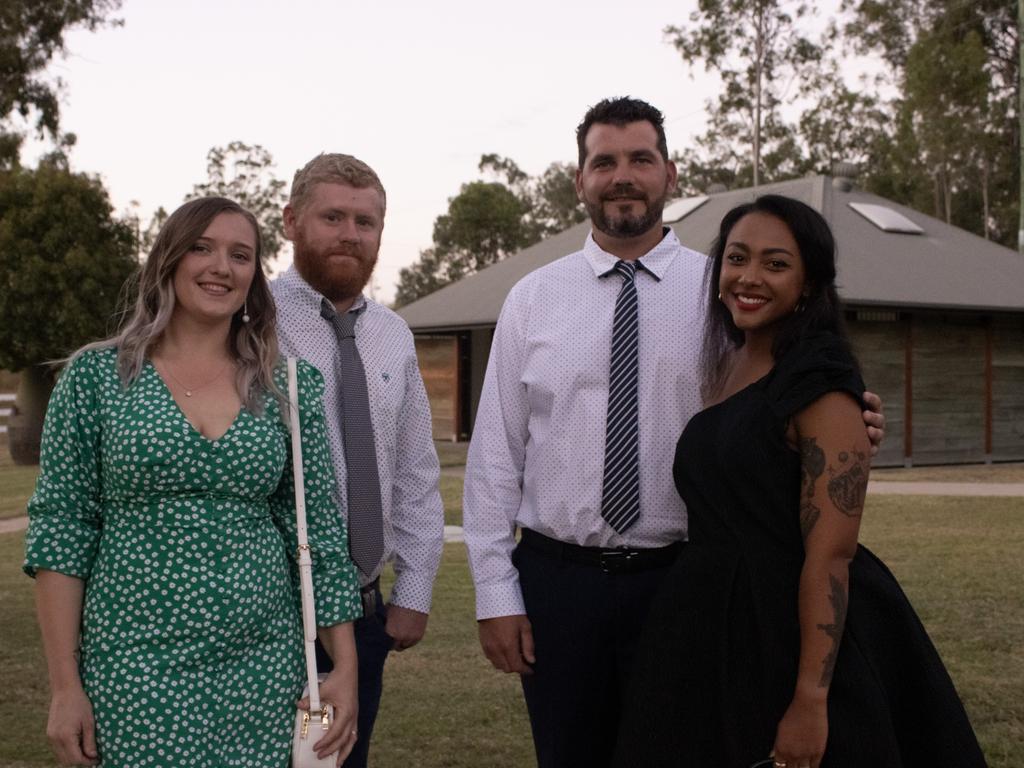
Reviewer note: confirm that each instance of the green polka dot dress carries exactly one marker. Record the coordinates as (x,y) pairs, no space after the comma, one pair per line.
(191,647)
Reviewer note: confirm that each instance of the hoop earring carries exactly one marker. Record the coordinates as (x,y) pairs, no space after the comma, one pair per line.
(245,312)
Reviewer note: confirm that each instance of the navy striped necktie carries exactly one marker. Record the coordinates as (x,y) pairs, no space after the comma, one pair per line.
(620,503)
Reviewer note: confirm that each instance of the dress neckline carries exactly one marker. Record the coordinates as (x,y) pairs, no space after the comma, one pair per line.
(194,429)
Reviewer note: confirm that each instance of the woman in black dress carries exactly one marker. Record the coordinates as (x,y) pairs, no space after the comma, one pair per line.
(775,633)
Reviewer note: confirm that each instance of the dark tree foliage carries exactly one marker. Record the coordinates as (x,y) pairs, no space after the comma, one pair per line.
(31,35)
(63,262)
(489,220)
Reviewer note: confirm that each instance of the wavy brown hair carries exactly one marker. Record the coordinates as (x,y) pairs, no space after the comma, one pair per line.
(150,303)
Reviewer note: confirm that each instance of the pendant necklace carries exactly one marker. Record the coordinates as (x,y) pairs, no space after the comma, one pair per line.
(188,390)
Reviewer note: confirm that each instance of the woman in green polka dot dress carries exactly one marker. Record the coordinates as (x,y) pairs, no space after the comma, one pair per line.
(162,529)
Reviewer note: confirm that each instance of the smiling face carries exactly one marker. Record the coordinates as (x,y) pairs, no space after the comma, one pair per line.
(762,279)
(336,236)
(624,180)
(212,279)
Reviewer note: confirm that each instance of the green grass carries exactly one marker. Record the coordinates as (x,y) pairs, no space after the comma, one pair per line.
(444,707)
(16,484)
(451,454)
(451,495)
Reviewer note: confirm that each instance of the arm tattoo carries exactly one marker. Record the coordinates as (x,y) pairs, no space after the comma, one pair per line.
(849,482)
(812,465)
(838,598)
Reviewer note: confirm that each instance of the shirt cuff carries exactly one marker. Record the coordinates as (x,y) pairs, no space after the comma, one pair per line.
(499,599)
(413,591)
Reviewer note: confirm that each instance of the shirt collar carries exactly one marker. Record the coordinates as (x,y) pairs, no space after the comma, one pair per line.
(306,297)
(656,261)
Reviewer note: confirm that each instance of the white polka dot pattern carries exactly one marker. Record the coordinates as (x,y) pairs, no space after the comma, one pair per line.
(187,546)
(537,455)
(407,464)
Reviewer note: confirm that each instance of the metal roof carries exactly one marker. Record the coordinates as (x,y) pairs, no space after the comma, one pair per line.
(943,268)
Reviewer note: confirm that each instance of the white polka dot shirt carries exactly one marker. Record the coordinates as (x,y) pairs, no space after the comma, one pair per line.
(537,455)
(406,459)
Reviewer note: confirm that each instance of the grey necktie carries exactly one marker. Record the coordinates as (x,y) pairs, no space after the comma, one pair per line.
(365,521)
(620,502)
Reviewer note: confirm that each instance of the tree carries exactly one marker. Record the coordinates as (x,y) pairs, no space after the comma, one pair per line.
(955,65)
(244,173)
(489,220)
(63,261)
(756,48)
(484,223)
(31,34)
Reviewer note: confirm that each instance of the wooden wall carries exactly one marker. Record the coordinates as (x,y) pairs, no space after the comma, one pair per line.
(1008,388)
(965,384)
(879,346)
(949,390)
(439,364)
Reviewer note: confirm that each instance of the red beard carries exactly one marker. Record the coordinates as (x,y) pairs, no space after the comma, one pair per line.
(335,279)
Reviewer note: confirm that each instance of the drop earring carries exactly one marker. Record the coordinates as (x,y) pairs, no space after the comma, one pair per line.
(719,295)
(245,312)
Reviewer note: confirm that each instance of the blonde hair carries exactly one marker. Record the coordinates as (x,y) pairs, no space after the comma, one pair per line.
(253,344)
(334,169)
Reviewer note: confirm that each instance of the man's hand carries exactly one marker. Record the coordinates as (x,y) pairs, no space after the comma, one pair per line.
(508,643)
(875,420)
(405,626)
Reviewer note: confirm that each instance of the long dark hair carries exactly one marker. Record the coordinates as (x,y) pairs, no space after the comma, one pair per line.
(820,311)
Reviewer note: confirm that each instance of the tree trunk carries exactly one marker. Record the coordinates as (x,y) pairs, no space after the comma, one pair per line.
(759,67)
(25,426)
(984,196)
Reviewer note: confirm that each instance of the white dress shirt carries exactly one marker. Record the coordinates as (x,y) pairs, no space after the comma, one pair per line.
(536,459)
(403,437)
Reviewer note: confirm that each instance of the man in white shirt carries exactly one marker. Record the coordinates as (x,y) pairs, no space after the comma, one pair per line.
(334,219)
(593,374)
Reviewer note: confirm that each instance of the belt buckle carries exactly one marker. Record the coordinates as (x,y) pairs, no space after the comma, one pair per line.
(616,560)
(369,601)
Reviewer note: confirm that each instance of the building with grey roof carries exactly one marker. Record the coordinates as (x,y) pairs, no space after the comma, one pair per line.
(936,315)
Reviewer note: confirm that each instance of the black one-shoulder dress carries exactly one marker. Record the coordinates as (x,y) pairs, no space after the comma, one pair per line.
(717,663)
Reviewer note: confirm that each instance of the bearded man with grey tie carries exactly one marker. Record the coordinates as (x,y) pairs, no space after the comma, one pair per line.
(593,374)
(378,417)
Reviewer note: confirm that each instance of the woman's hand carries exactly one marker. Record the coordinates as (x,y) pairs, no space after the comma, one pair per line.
(802,733)
(339,690)
(71,727)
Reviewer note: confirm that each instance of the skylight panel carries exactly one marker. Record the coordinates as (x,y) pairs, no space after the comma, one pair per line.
(886,219)
(678,210)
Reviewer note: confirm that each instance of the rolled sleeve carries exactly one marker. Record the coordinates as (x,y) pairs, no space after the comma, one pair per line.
(335,581)
(65,513)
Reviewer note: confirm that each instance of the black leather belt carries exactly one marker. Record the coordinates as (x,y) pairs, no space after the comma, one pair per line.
(370,597)
(617,560)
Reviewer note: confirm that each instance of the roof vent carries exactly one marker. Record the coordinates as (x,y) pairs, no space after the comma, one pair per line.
(886,219)
(678,210)
(844,175)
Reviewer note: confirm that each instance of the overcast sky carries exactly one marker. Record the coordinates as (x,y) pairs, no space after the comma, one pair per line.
(419,90)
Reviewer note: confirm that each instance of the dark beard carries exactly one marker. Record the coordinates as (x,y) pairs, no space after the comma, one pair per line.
(332,283)
(626,226)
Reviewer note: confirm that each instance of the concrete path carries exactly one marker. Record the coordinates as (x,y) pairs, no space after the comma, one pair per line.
(946,489)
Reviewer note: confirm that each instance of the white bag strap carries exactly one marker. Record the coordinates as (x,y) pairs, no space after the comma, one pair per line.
(305,560)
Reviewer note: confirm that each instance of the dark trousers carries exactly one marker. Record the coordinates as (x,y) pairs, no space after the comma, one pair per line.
(372,647)
(585,628)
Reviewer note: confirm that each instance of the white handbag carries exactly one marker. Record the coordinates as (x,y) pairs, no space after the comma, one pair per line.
(311,724)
